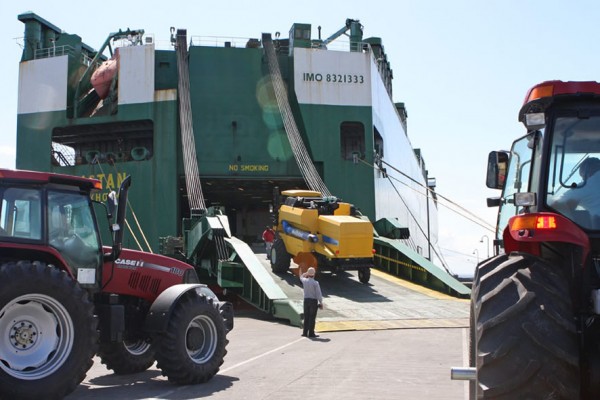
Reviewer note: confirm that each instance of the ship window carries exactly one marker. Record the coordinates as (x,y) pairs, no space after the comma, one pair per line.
(301,33)
(104,143)
(378,142)
(352,139)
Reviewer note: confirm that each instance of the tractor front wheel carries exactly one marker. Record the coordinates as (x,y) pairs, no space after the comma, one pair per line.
(48,333)
(193,347)
(523,331)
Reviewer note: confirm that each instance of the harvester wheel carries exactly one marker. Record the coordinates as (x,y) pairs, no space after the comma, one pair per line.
(193,347)
(523,333)
(127,357)
(48,333)
(364,274)
(280,258)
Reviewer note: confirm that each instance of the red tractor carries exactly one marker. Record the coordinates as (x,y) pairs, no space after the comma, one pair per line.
(535,306)
(64,297)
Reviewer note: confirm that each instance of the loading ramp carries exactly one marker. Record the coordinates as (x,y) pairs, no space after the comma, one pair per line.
(396,258)
(393,299)
(386,302)
(257,286)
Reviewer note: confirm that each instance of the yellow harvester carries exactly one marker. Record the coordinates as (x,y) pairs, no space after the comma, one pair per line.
(321,232)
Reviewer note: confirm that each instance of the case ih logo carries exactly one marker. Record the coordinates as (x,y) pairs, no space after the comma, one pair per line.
(129,263)
(134,264)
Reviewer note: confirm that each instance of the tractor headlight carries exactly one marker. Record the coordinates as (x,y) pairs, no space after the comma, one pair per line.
(190,276)
(535,121)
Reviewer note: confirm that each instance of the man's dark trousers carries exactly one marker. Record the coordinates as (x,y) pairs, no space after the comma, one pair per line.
(310,316)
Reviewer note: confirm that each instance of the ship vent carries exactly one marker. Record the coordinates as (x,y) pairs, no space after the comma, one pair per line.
(144,283)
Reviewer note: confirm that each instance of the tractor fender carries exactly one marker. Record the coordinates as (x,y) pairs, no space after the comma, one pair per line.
(161,309)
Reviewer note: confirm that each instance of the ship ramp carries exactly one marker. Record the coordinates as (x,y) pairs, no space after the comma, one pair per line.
(386,302)
(396,258)
(256,285)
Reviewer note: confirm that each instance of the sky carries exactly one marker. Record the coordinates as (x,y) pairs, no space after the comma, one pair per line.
(461,67)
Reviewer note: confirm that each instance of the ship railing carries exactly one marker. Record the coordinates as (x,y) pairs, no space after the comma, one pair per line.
(224,41)
(57,51)
(54,51)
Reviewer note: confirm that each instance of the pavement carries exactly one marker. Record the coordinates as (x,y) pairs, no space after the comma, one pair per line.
(389,339)
(269,360)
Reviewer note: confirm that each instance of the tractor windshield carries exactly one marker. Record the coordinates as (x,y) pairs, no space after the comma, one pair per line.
(574,171)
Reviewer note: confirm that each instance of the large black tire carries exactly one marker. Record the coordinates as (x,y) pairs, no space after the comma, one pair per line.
(192,349)
(280,258)
(481,270)
(127,357)
(524,341)
(364,274)
(48,333)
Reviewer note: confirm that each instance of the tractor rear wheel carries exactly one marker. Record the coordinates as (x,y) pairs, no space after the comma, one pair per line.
(48,333)
(193,347)
(280,258)
(523,334)
(127,357)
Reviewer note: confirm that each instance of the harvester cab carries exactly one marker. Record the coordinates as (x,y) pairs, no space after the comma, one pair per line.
(321,232)
(64,297)
(535,305)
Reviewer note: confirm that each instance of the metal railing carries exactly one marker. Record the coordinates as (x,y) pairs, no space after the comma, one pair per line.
(221,41)
(58,51)
(54,51)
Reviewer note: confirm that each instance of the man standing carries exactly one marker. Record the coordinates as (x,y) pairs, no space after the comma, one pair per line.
(268,236)
(313,300)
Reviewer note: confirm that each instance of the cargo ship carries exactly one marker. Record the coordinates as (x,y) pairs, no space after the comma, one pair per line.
(202,122)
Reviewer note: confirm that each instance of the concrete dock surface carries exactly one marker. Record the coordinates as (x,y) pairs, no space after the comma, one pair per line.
(385,340)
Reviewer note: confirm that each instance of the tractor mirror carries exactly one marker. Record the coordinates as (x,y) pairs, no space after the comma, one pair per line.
(111,204)
(496,169)
(120,203)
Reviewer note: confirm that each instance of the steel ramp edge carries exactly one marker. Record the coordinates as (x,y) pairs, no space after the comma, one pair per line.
(415,268)
(261,290)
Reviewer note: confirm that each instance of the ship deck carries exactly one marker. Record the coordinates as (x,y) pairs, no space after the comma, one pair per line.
(386,302)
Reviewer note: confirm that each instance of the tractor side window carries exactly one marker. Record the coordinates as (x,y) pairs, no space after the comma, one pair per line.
(574,170)
(516,181)
(71,229)
(20,216)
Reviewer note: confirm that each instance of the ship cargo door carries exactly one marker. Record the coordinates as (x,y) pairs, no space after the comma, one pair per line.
(246,202)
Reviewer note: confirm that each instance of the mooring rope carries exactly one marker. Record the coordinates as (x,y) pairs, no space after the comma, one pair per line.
(305,164)
(190,162)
